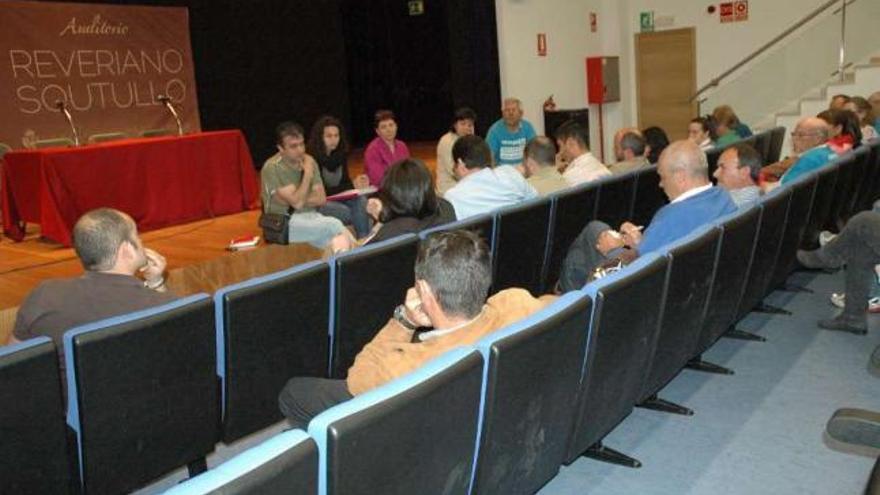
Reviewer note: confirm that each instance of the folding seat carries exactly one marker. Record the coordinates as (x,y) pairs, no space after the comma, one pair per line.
(773,219)
(871,181)
(802,191)
(269,329)
(712,156)
(142,394)
(367,284)
(692,262)
(531,368)
(415,434)
(843,191)
(284,464)
(626,315)
(483,225)
(616,196)
(572,211)
(861,167)
(34,451)
(649,197)
(522,235)
(762,144)
(777,137)
(819,213)
(739,233)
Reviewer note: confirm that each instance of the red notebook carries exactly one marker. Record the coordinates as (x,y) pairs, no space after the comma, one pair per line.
(351,194)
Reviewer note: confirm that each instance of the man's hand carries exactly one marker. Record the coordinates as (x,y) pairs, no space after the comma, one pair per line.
(308,167)
(154,268)
(632,234)
(414,312)
(361,182)
(374,208)
(608,241)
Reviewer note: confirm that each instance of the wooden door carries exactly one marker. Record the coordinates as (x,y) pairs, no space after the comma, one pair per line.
(666,77)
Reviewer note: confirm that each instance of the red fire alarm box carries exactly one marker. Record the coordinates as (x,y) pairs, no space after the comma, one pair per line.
(603,79)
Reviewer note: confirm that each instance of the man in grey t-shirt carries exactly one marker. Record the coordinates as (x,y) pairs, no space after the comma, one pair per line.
(738,170)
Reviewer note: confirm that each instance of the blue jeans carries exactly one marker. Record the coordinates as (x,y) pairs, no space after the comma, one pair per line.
(350,212)
(314,228)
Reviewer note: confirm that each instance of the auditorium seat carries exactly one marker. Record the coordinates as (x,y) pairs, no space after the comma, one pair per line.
(572,209)
(482,225)
(762,144)
(368,283)
(770,234)
(106,137)
(522,234)
(827,177)
(531,368)
(284,464)
(802,191)
(712,156)
(415,434)
(142,394)
(33,451)
(649,196)
(867,191)
(692,262)
(738,235)
(843,190)
(777,137)
(616,196)
(149,133)
(53,143)
(269,329)
(853,200)
(623,330)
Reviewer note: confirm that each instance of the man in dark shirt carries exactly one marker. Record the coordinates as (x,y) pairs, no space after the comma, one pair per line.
(107,244)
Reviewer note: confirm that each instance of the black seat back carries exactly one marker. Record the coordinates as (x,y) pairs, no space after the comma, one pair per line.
(691,269)
(872,192)
(819,213)
(34,451)
(619,345)
(143,395)
(268,330)
(616,195)
(802,191)
(649,197)
(762,144)
(368,283)
(482,225)
(712,156)
(572,210)
(777,137)
(843,191)
(770,235)
(532,367)
(522,234)
(859,179)
(739,232)
(869,166)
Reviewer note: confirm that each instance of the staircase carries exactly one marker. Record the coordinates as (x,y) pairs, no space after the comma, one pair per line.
(859,80)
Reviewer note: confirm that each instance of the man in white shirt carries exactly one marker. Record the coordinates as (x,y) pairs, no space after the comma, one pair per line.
(482,187)
(573,140)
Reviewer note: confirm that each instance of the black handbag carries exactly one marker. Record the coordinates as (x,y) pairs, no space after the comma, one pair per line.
(276,227)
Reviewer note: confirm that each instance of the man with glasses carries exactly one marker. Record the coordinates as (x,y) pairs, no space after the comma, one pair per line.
(808,143)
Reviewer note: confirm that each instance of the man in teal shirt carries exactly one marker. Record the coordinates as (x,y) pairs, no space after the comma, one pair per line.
(808,142)
(508,136)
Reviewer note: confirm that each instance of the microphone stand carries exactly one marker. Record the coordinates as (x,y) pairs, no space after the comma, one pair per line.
(170,107)
(63,108)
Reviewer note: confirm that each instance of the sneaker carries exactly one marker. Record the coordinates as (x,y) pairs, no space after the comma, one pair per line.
(845,324)
(825,237)
(874,305)
(839,300)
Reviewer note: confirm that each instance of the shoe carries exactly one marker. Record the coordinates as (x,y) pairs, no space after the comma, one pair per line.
(825,237)
(838,299)
(874,305)
(845,324)
(813,259)
(855,426)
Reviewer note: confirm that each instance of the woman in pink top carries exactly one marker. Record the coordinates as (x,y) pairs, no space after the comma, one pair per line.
(385,149)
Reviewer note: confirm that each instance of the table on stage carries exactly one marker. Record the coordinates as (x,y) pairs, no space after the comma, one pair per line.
(158,181)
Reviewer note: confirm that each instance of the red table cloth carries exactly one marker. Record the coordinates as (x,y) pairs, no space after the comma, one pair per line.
(158,181)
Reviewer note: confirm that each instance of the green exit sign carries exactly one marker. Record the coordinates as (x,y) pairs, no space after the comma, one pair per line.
(646,21)
(416,7)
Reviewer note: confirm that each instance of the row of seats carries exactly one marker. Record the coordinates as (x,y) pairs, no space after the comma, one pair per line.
(767,143)
(155,390)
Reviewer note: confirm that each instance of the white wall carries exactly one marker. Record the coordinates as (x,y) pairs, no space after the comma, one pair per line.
(569,40)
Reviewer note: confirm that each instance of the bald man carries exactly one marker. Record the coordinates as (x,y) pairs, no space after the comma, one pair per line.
(684,178)
(808,143)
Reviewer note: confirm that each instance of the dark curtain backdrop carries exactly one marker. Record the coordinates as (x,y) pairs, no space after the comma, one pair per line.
(259,62)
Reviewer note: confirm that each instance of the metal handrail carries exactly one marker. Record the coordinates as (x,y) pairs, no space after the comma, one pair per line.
(809,17)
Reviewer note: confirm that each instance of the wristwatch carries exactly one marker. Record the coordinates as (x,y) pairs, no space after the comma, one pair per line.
(400,316)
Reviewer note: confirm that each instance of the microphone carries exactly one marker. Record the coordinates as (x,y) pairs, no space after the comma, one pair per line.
(165,100)
(59,104)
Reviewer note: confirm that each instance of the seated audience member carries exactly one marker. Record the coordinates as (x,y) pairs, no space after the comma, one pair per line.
(726,122)
(462,125)
(540,164)
(738,169)
(657,142)
(874,100)
(741,129)
(808,141)
(329,147)
(508,136)
(482,187)
(865,113)
(292,183)
(452,278)
(701,130)
(843,130)
(107,244)
(385,148)
(629,150)
(858,247)
(574,145)
(684,178)
(837,102)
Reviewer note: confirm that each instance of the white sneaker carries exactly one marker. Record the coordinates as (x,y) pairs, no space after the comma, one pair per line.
(839,300)
(825,237)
